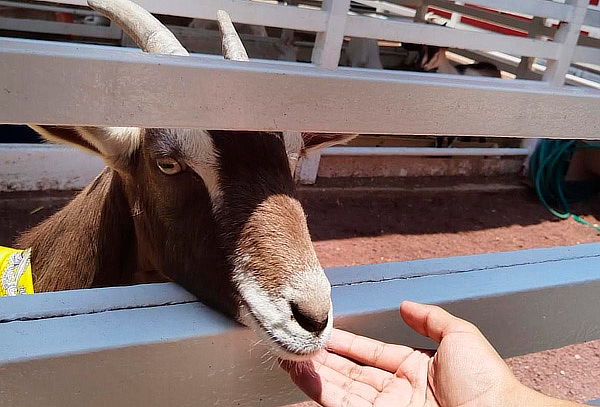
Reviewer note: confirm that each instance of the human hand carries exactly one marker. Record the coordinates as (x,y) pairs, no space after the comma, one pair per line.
(464,371)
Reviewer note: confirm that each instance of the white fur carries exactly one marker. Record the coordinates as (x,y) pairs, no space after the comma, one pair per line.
(271,317)
(200,154)
(113,142)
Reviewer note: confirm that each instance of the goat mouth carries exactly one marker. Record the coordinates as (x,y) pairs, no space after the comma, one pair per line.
(276,344)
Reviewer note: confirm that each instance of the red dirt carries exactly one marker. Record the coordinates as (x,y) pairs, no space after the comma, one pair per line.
(413,220)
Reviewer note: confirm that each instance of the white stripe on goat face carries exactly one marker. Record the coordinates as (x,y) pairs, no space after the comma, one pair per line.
(279,277)
(200,154)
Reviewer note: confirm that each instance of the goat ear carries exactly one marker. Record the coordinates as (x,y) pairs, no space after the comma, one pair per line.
(317,141)
(112,144)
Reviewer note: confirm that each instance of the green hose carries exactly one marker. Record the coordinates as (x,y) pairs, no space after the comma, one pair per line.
(548,166)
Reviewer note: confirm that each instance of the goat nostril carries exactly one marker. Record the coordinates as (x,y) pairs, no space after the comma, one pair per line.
(308,322)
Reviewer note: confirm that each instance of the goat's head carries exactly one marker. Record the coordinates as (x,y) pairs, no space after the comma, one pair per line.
(215,210)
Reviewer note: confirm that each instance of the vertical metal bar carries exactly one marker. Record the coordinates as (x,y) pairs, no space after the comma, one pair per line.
(567,35)
(421,12)
(309,168)
(326,53)
(328,44)
(524,68)
(455,16)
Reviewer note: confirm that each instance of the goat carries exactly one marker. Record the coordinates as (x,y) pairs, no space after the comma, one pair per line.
(212,210)
(363,53)
(434,59)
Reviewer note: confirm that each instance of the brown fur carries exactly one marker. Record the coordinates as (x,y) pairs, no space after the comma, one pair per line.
(135,220)
(88,243)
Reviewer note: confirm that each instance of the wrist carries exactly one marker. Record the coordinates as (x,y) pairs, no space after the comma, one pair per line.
(523,396)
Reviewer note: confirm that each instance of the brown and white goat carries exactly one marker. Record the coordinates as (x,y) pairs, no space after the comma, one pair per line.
(434,59)
(212,210)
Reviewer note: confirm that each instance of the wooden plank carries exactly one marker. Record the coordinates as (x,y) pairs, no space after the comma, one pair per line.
(241,11)
(82,82)
(402,31)
(53,27)
(183,354)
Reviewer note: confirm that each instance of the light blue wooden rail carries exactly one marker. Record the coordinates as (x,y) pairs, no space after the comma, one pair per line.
(155,345)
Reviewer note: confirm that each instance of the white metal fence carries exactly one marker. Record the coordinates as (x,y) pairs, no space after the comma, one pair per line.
(60,83)
(155,345)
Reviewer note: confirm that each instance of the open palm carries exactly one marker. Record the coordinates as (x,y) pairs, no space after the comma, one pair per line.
(357,371)
(385,375)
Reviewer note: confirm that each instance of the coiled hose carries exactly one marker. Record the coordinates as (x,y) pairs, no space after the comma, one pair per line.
(548,166)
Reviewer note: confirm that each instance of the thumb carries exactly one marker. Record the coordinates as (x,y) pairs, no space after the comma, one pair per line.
(432,321)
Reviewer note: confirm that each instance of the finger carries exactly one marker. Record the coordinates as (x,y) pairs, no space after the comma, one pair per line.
(351,386)
(320,384)
(368,351)
(432,321)
(408,385)
(417,377)
(369,375)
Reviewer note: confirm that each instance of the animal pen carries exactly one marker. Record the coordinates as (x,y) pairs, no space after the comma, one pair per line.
(155,344)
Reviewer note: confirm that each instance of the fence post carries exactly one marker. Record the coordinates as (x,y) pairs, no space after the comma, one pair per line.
(524,68)
(567,35)
(421,12)
(328,44)
(455,16)
(326,53)
(308,168)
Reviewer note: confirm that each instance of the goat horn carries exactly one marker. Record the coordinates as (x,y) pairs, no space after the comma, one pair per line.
(230,41)
(148,33)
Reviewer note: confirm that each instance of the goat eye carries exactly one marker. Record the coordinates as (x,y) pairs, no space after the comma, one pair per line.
(168,166)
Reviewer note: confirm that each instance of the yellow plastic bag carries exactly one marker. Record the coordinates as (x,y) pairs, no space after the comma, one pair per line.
(15,272)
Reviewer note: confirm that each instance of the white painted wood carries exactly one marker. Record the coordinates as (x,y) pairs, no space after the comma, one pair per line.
(396,30)
(170,351)
(81,83)
(309,168)
(328,43)
(567,36)
(31,167)
(241,11)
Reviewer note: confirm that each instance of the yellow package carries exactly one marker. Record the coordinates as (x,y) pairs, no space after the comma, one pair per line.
(15,272)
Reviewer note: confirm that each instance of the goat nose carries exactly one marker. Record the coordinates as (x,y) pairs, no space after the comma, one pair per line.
(309,318)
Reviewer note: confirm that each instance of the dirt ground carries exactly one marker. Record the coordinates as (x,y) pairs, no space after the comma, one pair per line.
(414,219)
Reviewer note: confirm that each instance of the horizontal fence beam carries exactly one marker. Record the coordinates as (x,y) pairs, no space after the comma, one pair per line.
(241,11)
(155,345)
(75,84)
(422,151)
(405,31)
(53,27)
(38,167)
(540,8)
